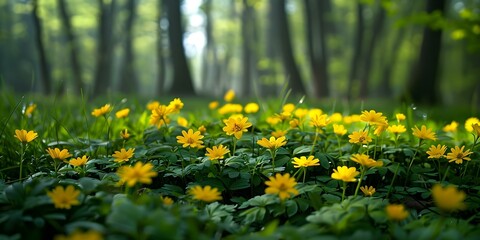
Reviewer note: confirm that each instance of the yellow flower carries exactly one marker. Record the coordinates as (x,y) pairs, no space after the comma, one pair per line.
(64,197)
(424,133)
(212,105)
(300,112)
(24,136)
(139,173)
(152,105)
(190,139)
(80,235)
(282,185)
(122,113)
(202,129)
(294,123)
(167,201)
(206,194)
(380,127)
(123,155)
(29,110)
(336,117)
(359,137)
(476,128)
(400,117)
(436,151)
(59,154)
(251,107)
(451,127)
(217,152)
(279,133)
(339,129)
(458,155)
(344,173)
(181,121)
(396,129)
(229,95)
(102,110)
(79,161)
(469,122)
(230,108)
(272,143)
(272,120)
(124,134)
(396,212)
(351,119)
(449,198)
(236,126)
(319,121)
(159,116)
(305,162)
(176,105)
(365,160)
(372,117)
(368,191)
(289,107)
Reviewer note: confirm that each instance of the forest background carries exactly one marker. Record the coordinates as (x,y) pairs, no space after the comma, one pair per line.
(422,52)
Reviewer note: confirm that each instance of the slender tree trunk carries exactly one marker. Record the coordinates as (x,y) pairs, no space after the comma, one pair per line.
(423,87)
(72,46)
(376,34)
(248,61)
(357,54)
(182,80)
(44,65)
(103,72)
(315,19)
(210,65)
(129,81)
(286,51)
(160,48)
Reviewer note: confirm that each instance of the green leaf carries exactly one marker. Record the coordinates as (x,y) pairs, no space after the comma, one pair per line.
(292,207)
(302,149)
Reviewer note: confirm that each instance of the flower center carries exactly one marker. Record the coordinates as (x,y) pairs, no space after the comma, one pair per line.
(460,155)
(190,141)
(361,139)
(236,128)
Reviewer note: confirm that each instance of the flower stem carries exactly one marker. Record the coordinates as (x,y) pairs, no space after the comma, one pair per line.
(393,180)
(411,162)
(344,189)
(22,154)
(360,180)
(314,142)
(446,173)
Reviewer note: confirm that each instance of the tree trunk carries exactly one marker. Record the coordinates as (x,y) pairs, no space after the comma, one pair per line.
(248,59)
(210,64)
(285,48)
(44,65)
(72,46)
(376,34)
(423,85)
(357,54)
(129,81)
(160,49)
(103,72)
(182,80)
(315,19)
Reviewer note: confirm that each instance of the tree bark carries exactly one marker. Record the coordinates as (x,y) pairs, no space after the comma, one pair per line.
(160,48)
(357,54)
(210,64)
(129,81)
(285,48)
(423,87)
(45,75)
(376,34)
(182,80)
(72,47)
(248,58)
(315,19)
(103,72)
